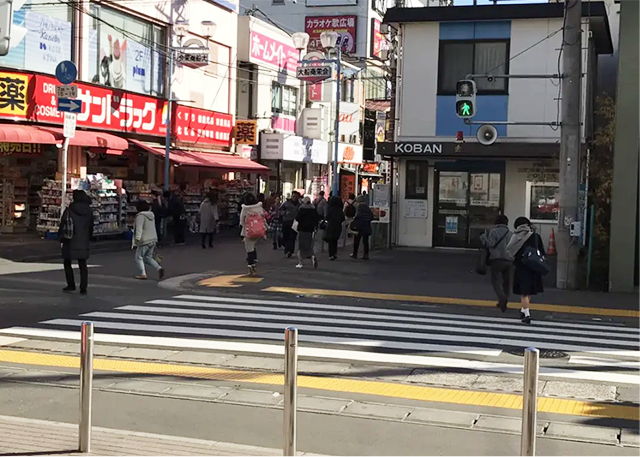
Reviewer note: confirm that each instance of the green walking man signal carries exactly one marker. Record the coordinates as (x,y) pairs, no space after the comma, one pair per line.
(466,99)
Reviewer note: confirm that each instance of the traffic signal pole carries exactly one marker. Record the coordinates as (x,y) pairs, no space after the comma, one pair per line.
(570,143)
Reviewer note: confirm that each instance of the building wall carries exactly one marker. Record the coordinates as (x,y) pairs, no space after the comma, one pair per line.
(424,114)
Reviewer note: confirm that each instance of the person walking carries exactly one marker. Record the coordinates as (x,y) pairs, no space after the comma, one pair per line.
(321,205)
(500,261)
(209,218)
(76,231)
(275,223)
(145,239)
(333,229)
(254,227)
(308,220)
(526,282)
(288,212)
(361,225)
(179,215)
(160,209)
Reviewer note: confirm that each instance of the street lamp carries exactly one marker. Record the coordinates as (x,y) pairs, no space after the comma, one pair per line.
(329,41)
(180,29)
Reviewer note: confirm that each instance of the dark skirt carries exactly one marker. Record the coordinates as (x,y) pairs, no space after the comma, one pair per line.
(526,281)
(305,244)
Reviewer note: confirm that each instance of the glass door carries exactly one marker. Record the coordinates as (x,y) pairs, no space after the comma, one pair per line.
(484,204)
(452,218)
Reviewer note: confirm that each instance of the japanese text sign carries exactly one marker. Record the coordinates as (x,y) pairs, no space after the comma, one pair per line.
(271,51)
(344,25)
(20,149)
(13,94)
(195,125)
(314,74)
(246,132)
(379,44)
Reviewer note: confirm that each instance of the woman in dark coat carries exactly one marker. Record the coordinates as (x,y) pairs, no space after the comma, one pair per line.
(76,230)
(526,282)
(335,218)
(308,220)
(362,226)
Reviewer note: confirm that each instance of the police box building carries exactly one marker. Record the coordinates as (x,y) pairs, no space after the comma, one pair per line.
(454,177)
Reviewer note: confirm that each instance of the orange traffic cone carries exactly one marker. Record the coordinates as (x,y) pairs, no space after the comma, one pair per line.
(552,244)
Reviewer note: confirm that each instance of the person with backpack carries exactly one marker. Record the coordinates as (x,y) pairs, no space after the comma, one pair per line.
(307,220)
(76,231)
(145,239)
(499,260)
(527,250)
(350,208)
(254,226)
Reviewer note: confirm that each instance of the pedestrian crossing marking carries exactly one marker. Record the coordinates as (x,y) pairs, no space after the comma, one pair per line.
(452,301)
(345,385)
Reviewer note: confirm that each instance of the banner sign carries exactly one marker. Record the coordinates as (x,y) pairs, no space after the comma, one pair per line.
(344,25)
(20,149)
(273,52)
(195,125)
(246,132)
(379,43)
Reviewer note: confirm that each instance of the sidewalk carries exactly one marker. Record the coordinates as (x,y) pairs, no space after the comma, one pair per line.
(20,436)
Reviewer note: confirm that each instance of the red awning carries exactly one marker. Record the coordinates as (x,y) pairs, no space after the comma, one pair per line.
(378,105)
(16,133)
(92,139)
(206,159)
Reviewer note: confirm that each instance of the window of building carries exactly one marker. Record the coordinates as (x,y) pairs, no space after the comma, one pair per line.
(47,40)
(461,58)
(542,201)
(284,99)
(126,52)
(416,185)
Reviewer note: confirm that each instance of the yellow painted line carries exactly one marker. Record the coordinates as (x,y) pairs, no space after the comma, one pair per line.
(229,281)
(452,301)
(385,389)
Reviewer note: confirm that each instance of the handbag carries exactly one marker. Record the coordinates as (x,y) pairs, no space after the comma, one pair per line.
(483,257)
(534,260)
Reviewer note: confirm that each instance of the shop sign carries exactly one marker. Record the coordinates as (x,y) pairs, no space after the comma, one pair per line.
(246,132)
(409,148)
(370,168)
(273,52)
(13,94)
(103,108)
(20,149)
(344,25)
(349,153)
(349,119)
(293,148)
(379,43)
(195,125)
(347,185)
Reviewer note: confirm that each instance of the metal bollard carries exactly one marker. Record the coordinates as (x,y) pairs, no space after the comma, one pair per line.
(86,386)
(530,402)
(290,389)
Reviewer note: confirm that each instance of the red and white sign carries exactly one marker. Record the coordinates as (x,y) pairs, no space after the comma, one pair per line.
(344,25)
(268,50)
(379,43)
(315,92)
(350,153)
(103,108)
(195,125)
(349,118)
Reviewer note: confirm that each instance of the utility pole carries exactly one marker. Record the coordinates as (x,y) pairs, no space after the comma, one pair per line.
(570,144)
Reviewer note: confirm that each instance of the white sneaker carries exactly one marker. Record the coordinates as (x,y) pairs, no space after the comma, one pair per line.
(299,266)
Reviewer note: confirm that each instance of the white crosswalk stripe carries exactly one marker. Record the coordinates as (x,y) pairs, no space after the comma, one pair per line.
(407,336)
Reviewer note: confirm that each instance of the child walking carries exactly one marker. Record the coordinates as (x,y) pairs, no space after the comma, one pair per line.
(145,239)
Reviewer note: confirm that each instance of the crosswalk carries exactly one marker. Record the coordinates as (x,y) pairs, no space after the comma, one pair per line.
(601,352)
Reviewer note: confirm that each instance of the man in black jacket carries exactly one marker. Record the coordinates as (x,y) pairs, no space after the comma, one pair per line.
(76,231)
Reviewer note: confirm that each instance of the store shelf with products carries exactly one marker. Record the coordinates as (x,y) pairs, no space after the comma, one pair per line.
(50,200)
(106,202)
(136,190)
(230,196)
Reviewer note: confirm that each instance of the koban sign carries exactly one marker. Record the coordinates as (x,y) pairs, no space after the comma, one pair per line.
(418,148)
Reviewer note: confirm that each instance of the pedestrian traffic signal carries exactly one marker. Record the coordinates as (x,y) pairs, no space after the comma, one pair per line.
(466,99)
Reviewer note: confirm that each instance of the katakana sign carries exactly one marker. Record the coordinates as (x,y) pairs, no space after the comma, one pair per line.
(314,74)
(344,25)
(246,132)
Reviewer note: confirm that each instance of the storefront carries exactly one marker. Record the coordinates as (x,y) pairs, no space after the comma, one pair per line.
(297,163)
(349,160)
(448,194)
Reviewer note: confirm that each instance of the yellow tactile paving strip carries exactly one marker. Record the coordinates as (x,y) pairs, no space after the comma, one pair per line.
(384,389)
(453,301)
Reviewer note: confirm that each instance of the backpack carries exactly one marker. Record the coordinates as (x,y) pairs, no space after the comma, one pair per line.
(67,227)
(350,210)
(254,226)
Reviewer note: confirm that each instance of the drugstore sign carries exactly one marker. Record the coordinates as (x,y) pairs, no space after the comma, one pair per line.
(31,97)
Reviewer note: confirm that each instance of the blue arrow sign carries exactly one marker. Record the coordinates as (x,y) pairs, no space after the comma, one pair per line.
(70,105)
(66,72)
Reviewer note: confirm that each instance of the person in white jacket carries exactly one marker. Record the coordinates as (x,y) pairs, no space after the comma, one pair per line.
(145,239)
(254,226)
